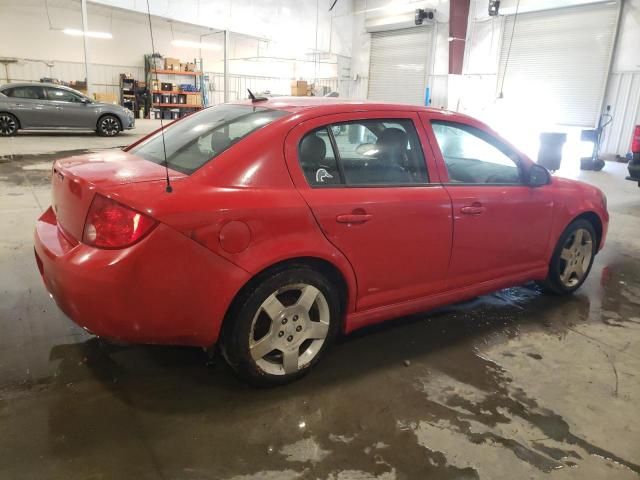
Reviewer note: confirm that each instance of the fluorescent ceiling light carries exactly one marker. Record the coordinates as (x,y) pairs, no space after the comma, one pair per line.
(201,45)
(80,33)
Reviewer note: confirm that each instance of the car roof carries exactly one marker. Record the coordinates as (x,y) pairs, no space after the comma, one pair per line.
(330,105)
(35,84)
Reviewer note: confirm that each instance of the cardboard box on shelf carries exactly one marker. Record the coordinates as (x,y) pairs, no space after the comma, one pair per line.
(189,67)
(194,99)
(171,63)
(175,88)
(299,88)
(105,97)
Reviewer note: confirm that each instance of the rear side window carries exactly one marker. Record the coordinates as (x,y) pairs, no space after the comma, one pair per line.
(34,93)
(198,138)
(362,153)
(317,159)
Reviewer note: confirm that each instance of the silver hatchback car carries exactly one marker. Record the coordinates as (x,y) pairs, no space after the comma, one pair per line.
(44,106)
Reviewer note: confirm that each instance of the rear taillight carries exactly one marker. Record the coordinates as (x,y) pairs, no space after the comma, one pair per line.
(635,141)
(111,224)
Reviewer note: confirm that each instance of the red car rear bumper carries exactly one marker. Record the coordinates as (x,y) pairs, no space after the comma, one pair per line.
(165,289)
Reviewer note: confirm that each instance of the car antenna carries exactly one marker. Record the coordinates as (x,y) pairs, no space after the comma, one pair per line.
(168,187)
(256,99)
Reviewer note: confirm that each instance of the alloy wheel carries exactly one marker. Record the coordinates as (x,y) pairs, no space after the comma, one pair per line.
(289,329)
(110,126)
(575,257)
(8,125)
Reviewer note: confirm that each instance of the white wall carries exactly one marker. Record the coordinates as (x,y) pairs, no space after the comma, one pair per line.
(476,92)
(385,11)
(623,89)
(287,49)
(289,23)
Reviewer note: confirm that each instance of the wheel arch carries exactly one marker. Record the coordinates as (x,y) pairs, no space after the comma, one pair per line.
(595,221)
(7,112)
(321,265)
(108,114)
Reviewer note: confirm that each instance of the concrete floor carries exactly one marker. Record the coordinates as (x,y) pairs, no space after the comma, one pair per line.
(513,385)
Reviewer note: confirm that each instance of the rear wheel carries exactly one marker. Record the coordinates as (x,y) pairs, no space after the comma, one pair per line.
(282,328)
(572,258)
(8,125)
(108,126)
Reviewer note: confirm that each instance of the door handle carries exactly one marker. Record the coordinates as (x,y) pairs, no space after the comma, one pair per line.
(18,105)
(475,208)
(58,108)
(354,218)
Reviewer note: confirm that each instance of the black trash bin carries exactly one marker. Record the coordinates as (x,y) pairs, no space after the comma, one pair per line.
(550,153)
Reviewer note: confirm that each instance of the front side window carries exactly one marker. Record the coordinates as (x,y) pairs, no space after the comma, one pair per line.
(364,152)
(34,93)
(198,138)
(61,95)
(475,157)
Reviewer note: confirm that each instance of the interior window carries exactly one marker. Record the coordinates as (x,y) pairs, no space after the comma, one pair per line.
(370,152)
(317,159)
(60,95)
(473,156)
(34,93)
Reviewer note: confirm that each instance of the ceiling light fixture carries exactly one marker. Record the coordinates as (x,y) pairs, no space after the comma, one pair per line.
(79,33)
(201,45)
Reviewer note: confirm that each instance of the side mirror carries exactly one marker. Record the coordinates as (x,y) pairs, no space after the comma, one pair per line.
(538,176)
(86,101)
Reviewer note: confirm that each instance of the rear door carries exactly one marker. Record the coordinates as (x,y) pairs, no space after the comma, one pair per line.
(28,104)
(365,178)
(68,109)
(501,225)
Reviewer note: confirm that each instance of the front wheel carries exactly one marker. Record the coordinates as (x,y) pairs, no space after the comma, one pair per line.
(572,259)
(281,329)
(108,126)
(8,125)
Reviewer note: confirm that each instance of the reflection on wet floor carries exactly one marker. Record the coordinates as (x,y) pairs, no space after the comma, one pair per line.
(512,385)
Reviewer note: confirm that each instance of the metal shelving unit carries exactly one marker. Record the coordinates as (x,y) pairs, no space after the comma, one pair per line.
(158,98)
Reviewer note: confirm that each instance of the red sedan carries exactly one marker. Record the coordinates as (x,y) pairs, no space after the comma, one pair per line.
(290,221)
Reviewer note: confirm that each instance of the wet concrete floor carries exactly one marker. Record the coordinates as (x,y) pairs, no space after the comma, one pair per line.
(512,385)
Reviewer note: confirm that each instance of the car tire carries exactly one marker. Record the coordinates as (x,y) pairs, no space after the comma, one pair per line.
(281,328)
(108,126)
(9,125)
(572,259)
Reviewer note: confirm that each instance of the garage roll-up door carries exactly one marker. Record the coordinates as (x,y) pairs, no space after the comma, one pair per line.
(559,62)
(399,65)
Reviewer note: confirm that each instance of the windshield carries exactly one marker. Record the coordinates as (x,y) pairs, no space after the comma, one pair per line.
(197,139)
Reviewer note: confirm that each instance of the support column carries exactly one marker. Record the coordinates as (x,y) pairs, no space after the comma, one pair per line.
(226,66)
(458,19)
(85,29)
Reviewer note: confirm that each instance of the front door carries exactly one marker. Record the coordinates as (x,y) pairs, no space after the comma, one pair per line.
(501,225)
(366,181)
(69,109)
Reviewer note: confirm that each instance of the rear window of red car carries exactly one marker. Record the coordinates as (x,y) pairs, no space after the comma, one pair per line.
(201,137)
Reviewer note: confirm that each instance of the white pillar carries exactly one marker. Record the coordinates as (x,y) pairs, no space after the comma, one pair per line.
(85,29)
(226,66)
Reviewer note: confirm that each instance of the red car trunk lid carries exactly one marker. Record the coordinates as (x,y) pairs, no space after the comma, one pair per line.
(76,179)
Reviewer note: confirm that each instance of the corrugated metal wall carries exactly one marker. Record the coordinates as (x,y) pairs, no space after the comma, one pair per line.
(238,85)
(623,94)
(104,78)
